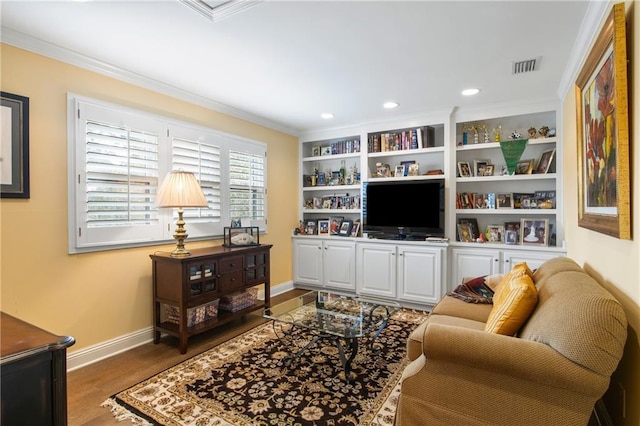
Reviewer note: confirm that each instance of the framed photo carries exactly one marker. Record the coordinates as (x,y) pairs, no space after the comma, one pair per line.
(504,200)
(464,170)
(545,161)
(479,167)
(399,171)
(478,201)
(310,227)
(488,170)
(325,150)
(494,233)
(524,167)
(490,200)
(534,232)
(322,179)
(522,200)
(510,237)
(465,233)
(604,199)
(355,229)
(345,228)
(334,224)
(472,224)
(512,226)
(315,151)
(323,227)
(14,177)
(414,169)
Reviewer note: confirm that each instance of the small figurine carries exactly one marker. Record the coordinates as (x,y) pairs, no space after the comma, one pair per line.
(497,133)
(552,133)
(532,132)
(516,135)
(543,131)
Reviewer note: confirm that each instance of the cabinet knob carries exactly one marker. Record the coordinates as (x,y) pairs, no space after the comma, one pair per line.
(506,261)
(495,259)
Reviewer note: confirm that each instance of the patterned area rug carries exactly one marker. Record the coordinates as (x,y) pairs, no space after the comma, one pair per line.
(252,380)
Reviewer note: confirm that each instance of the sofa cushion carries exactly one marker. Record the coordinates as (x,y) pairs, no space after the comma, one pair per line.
(415,340)
(455,307)
(513,302)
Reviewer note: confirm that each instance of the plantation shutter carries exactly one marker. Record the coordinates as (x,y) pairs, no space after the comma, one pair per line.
(247,186)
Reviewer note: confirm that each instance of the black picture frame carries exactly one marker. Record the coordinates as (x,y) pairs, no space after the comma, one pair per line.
(15,141)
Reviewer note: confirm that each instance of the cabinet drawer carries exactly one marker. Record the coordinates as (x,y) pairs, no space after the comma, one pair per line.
(231,281)
(231,264)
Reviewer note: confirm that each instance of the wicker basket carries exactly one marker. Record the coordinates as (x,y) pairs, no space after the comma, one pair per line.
(195,315)
(240,300)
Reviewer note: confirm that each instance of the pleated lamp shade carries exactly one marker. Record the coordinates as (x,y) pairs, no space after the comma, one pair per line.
(180,189)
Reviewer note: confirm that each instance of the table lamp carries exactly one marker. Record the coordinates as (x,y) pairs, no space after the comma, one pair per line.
(180,189)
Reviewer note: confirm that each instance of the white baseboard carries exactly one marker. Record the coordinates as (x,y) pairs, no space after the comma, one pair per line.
(109,348)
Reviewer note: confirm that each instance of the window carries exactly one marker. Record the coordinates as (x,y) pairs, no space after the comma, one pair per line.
(117,159)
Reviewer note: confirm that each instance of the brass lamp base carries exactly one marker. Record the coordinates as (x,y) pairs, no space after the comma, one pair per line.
(180,235)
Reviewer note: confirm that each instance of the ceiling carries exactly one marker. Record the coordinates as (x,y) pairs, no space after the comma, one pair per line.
(283,63)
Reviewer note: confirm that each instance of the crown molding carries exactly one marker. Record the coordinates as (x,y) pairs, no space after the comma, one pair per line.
(589,29)
(44,48)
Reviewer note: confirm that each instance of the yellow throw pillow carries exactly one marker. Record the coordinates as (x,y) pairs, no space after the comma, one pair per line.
(513,302)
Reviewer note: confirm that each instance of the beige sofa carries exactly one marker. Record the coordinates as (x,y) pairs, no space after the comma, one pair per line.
(551,372)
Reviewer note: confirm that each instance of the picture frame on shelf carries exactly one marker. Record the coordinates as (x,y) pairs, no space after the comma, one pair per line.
(310,227)
(464,169)
(406,165)
(399,171)
(495,233)
(472,222)
(504,200)
(546,158)
(521,200)
(355,229)
(478,201)
(490,200)
(345,228)
(334,224)
(510,237)
(479,167)
(524,167)
(545,199)
(488,170)
(414,169)
(604,200)
(325,150)
(465,233)
(534,232)
(514,227)
(323,227)
(315,151)
(321,180)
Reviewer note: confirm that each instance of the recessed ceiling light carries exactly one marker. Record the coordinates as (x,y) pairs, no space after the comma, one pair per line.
(326,115)
(470,92)
(389,105)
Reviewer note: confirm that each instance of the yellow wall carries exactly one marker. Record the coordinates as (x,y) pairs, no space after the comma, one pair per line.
(96,297)
(614,263)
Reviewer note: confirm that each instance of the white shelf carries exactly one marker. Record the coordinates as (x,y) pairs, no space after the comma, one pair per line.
(334,188)
(331,157)
(404,178)
(332,211)
(520,212)
(490,145)
(506,178)
(406,152)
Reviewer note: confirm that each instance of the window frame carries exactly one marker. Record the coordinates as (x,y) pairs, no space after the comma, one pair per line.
(82,238)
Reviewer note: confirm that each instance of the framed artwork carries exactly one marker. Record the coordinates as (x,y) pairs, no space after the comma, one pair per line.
(334,224)
(604,199)
(524,167)
(465,233)
(345,228)
(545,161)
(464,169)
(399,171)
(323,227)
(504,200)
(472,224)
(534,232)
(14,148)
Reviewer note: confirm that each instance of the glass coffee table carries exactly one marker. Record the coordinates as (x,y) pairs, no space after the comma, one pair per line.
(335,317)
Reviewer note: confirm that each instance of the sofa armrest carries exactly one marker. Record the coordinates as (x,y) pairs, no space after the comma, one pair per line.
(511,356)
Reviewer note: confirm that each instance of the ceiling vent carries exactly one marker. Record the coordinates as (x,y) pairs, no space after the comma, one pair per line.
(527,65)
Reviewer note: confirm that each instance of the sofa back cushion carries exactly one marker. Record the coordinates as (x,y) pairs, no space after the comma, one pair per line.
(577,317)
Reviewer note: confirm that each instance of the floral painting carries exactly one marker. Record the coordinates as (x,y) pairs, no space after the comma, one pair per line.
(603,132)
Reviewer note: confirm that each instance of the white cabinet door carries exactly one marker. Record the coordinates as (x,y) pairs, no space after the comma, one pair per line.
(533,258)
(420,277)
(377,270)
(339,264)
(307,261)
(473,263)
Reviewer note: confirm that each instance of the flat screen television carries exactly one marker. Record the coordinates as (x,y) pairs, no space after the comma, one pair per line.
(404,209)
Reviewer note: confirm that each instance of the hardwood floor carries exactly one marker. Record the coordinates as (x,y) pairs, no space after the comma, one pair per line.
(89,386)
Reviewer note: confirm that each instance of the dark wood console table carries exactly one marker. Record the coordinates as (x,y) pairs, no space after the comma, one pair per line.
(182,284)
(33,362)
